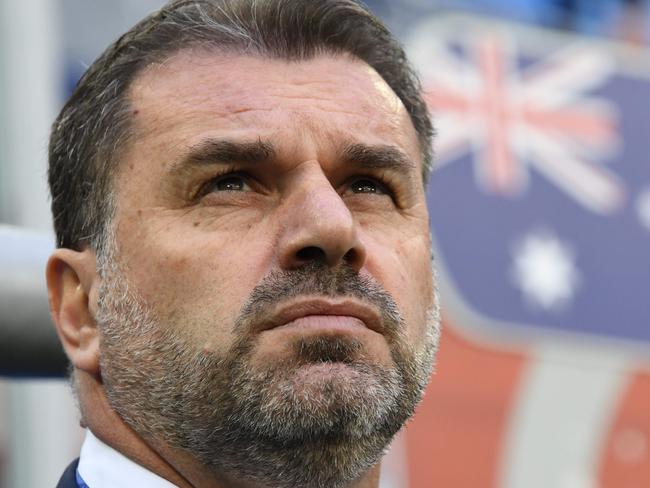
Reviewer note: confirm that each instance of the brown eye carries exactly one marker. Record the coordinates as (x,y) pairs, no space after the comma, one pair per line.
(230,182)
(368,185)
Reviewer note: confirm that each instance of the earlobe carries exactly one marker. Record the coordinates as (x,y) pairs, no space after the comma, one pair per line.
(72,280)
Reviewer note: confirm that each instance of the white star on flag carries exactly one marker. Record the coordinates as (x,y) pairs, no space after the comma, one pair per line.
(543,269)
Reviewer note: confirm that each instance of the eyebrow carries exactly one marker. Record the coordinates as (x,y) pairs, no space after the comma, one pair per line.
(224,151)
(378,157)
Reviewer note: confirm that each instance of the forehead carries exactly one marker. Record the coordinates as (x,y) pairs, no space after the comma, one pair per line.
(327,99)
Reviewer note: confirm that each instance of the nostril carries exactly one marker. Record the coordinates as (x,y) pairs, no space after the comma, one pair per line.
(351,256)
(311,253)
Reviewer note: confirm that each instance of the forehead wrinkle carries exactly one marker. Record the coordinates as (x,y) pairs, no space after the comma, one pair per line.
(155,124)
(187,64)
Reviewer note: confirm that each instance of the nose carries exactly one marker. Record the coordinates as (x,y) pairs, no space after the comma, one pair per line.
(318,226)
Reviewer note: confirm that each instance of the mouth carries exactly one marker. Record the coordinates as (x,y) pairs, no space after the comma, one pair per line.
(324,315)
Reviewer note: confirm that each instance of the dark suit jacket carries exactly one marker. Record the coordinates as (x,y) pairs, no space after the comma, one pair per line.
(69,479)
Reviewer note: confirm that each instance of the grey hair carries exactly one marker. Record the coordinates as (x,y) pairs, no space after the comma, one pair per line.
(93,128)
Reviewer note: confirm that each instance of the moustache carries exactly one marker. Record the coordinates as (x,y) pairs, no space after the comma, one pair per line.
(318,279)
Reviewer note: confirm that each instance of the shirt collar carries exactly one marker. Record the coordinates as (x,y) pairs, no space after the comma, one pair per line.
(101,466)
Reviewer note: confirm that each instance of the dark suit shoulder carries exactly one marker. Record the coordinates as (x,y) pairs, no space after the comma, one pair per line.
(69,478)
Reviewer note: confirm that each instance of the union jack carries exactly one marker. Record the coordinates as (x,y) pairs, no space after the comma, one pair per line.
(515,118)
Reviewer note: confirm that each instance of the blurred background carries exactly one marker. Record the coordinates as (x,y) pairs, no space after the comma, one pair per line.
(540,211)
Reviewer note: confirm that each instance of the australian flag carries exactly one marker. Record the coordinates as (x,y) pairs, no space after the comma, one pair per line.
(541,202)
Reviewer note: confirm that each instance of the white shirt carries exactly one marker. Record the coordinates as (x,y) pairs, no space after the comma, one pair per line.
(101,466)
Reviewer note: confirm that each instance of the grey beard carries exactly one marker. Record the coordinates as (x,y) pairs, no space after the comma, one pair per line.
(270,425)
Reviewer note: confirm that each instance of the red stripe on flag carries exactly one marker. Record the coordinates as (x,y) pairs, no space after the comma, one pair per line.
(457,436)
(501,164)
(626,454)
(572,123)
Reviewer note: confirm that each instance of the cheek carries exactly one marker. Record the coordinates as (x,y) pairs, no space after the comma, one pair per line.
(198,281)
(404,270)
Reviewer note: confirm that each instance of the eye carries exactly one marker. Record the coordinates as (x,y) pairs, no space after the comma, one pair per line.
(228,182)
(368,185)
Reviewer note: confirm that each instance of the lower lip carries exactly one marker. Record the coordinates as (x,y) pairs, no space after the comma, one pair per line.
(334,323)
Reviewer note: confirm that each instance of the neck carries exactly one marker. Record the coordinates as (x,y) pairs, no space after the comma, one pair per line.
(108,426)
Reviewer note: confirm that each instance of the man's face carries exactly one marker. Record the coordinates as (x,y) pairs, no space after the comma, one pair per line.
(270,224)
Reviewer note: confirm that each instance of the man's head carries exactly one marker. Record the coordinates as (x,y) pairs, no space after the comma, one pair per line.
(238,192)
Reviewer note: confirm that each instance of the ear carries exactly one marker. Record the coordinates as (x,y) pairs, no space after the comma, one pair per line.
(72,284)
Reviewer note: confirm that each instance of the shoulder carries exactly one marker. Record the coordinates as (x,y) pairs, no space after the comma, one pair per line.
(68,480)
